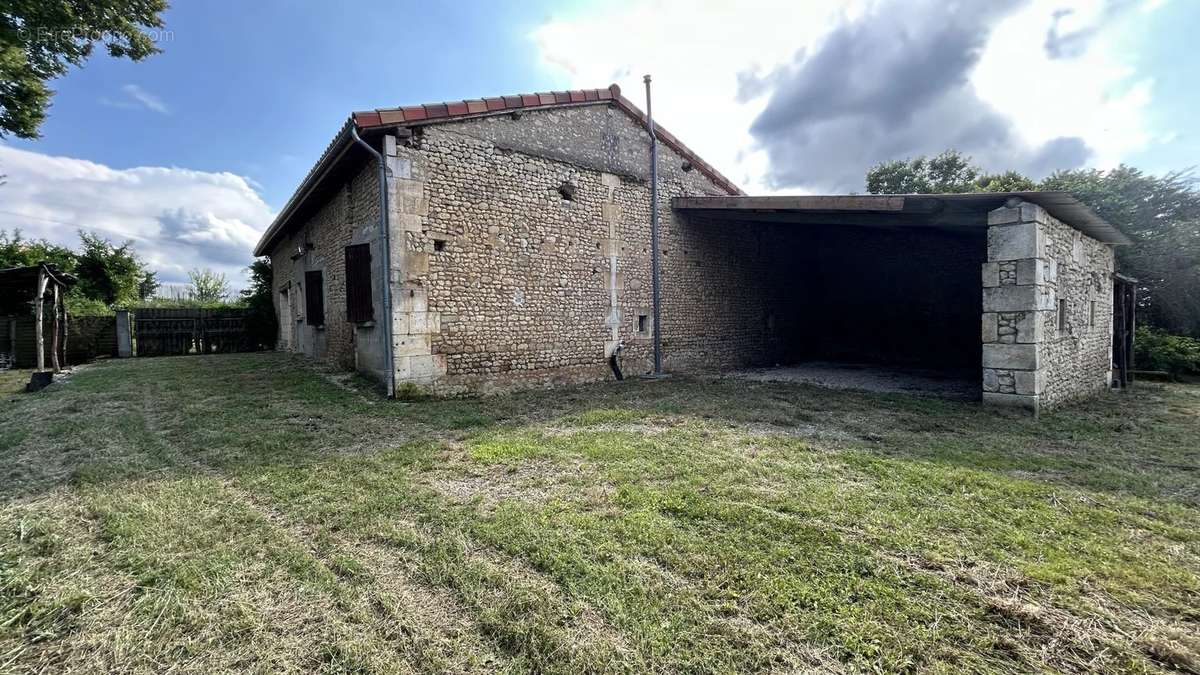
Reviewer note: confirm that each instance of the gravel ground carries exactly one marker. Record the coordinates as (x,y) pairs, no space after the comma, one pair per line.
(870,377)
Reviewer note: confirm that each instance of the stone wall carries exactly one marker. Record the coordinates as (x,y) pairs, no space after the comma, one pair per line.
(507,230)
(1047,303)
(349,216)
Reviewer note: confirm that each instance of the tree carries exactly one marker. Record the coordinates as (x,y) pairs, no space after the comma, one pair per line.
(40,40)
(207,286)
(16,251)
(1162,215)
(951,171)
(108,273)
(1009,181)
(261,324)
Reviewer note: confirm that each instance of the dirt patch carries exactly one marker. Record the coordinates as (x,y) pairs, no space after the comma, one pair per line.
(862,377)
(530,481)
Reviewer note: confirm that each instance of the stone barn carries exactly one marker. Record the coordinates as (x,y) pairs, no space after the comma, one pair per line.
(511,247)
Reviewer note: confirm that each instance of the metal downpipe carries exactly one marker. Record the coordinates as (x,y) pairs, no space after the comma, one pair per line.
(385,230)
(655,280)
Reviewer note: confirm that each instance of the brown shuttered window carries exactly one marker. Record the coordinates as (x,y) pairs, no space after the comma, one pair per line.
(314,298)
(359,307)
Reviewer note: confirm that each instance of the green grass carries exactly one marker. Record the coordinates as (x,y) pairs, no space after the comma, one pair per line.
(247,512)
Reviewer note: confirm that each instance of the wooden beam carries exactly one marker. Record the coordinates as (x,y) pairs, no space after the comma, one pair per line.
(811,203)
(37,331)
(54,336)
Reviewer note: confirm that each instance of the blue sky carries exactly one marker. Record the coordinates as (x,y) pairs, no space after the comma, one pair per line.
(190,152)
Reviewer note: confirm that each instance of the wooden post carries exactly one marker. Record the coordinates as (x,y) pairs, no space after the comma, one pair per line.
(37,329)
(66,331)
(54,335)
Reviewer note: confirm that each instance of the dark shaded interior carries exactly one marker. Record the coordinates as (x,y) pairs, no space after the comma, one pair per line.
(896,295)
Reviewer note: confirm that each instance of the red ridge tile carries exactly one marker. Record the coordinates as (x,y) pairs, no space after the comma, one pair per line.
(457,108)
(530,99)
(476,106)
(413,113)
(436,110)
(494,103)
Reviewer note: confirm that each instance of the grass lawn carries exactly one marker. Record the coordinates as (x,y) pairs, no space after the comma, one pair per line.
(247,512)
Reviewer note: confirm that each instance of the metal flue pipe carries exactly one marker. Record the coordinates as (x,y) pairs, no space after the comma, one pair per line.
(655,281)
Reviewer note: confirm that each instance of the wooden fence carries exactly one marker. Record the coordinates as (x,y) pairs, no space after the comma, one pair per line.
(170,332)
(88,338)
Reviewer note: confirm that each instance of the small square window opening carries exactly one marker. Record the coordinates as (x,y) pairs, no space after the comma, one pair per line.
(439,245)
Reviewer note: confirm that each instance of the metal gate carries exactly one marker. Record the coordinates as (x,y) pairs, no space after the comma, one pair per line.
(172,332)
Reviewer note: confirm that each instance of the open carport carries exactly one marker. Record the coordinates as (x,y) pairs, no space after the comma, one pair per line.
(996,293)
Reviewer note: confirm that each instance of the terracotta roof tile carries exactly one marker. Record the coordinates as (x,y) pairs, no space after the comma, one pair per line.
(494,103)
(368,118)
(512,101)
(389,117)
(457,108)
(530,99)
(436,110)
(413,113)
(476,106)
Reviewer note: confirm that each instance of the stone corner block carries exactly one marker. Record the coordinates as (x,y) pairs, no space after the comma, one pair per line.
(991,327)
(1031,328)
(1030,382)
(1010,356)
(1024,401)
(1036,271)
(1004,215)
(1014,242)
(991,274)
(1032,213)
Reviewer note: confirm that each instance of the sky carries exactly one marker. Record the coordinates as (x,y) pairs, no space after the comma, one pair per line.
(191,152)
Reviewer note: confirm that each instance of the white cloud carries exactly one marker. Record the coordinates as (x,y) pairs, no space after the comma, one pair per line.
(178,219)
(135,98)
(1089,92)
(697,50)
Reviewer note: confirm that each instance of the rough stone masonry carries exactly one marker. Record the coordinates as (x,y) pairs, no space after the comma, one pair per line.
(520,256)
(1047,310)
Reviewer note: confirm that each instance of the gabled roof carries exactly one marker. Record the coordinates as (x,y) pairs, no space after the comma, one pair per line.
(449,111)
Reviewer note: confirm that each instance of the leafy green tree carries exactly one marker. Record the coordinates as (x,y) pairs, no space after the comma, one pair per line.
(1009,181)
(207,286)
(108,273)
(1162,215)
(262,326)
(41,39)
(16,251)
(148,286)
(951,171)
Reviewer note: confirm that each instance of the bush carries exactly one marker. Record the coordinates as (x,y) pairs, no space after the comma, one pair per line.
(1156,349)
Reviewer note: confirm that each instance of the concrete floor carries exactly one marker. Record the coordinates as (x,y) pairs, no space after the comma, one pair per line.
(871,377)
